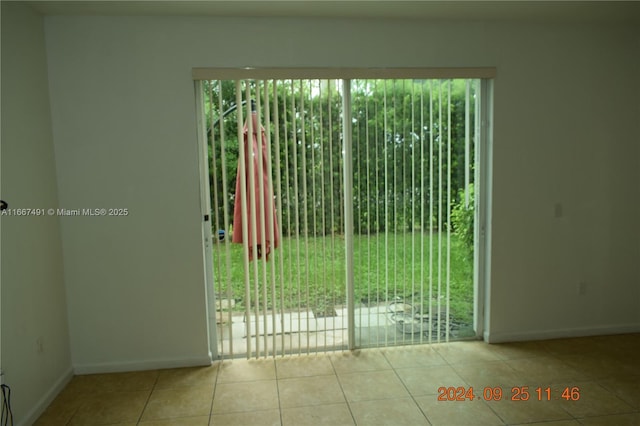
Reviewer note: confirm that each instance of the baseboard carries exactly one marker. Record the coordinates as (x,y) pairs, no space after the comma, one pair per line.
(519,336)
(151,364)
(47,398)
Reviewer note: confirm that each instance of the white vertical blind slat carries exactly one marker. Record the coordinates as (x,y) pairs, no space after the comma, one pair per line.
(296,203)
(448,267)
(431,198)
(440,201)
(348,206)
(289,155)
(214,207)
(269,219)
(251,199)
(305,208)
(413,203)
(278,195)
(467,141)
(386,202)
(243,201)
(259,215)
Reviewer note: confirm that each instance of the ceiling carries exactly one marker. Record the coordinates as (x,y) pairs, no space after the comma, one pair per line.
(566,11)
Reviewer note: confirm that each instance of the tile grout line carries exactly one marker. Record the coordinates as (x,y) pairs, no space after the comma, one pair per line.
(346,400)
(275,367)
(215,388)
(413,398)
(155,382)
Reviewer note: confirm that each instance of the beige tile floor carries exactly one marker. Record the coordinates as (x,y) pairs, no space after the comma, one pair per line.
(395,386)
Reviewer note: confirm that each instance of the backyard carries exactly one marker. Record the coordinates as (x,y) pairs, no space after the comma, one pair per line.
(310,273)
(404,195)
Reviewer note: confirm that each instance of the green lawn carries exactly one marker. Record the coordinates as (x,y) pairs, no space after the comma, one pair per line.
(386,267)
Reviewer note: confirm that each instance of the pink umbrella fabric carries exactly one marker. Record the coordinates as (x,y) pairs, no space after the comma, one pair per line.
(253,167)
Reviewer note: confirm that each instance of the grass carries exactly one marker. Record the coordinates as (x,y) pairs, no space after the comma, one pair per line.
(386,267)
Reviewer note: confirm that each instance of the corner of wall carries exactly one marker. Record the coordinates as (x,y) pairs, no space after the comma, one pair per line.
(36,358)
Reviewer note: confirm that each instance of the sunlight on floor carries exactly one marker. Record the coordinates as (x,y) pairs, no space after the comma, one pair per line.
(394,386)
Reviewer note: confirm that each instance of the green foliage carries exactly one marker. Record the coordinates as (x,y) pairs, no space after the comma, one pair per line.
(403,151)
(462,217)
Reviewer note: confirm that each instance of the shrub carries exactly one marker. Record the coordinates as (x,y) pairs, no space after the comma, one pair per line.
(462,217)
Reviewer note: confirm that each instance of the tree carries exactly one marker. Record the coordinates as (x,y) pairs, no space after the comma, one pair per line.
(405,147)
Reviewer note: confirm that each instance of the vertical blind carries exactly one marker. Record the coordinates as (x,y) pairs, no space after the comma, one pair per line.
(405,191)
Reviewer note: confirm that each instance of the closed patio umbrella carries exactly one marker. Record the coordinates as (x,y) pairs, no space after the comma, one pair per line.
(263,197)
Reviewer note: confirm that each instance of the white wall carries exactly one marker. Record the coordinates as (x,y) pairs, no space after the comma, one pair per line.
(33,294)
(135,284)
(566,131)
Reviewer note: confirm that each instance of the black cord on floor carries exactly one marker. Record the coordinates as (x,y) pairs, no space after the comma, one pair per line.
(7,415)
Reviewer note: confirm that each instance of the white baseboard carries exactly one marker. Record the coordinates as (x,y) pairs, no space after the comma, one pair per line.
(151,364)
(519,336)
(47,398)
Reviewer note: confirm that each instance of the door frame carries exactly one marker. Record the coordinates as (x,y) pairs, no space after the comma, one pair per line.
(205,206)
(483,218)
(482,221)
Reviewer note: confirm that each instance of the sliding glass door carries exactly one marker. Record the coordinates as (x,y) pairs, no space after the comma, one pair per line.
(353,206)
